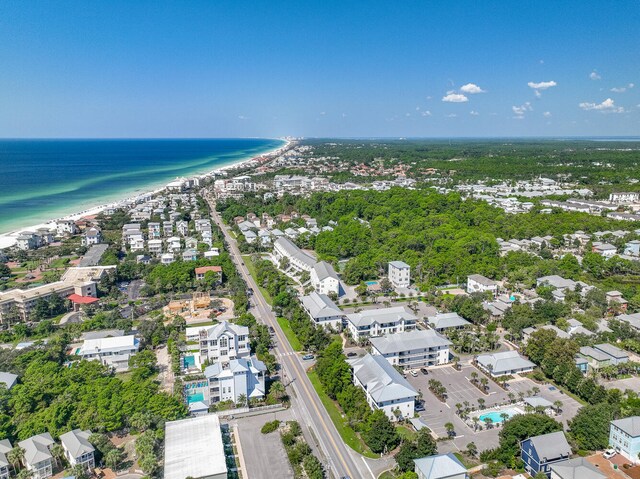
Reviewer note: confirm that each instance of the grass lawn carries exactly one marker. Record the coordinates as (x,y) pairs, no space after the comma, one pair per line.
(288,332)
(387,475)
(252,271)
(465,461)
(347,434)
(406,433)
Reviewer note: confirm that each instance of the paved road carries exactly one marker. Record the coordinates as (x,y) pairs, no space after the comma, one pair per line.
(341,461)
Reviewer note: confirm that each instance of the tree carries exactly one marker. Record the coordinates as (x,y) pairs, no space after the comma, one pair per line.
(385,285)
(242,400)
(113,458)
(450,429)
(380,434)
(57,452)
(590,426)
(15,456)
(472,449)
(521,427)
(424,445)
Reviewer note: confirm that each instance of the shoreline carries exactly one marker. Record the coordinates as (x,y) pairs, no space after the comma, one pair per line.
(9,238)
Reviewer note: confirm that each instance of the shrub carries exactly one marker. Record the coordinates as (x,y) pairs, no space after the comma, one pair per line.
(270,427)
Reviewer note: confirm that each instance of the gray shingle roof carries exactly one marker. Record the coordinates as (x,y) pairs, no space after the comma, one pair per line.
(551,446)
(630,425)
(399,264)
(76,442)
(578,468)
(611,350)
(5,447)
(447,320)
(324,270)
(386,315)
(8,379)
(504,362)
(382,381)
(36,448)
(409,341)
(478,278)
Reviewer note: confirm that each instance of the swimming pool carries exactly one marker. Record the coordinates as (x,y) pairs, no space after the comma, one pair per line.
(195,397)
(370,283)
(496,416)
(189,361)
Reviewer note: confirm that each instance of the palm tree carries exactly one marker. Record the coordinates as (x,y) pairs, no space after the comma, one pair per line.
(475,420)
(277,389)
(558,406)
(58,453)
(474,377)
(489,422)
(504,417)
(113,458)
(450,429)
(511,397)
(15,456)
(472,449)
(535,390)
(242,400)
(485,384)
(458,408)
(481,402)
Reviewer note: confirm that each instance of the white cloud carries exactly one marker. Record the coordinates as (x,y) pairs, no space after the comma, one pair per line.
(426,113)
(471,88)
(407,114)
(242,117)
(473,113)
(452,97)
(417,108)
(519,111)
(451,115)
(344,115)
(547,114)
(622,89)
(429,97)
(543,85)
(323,113)
(607,106)
(594,75)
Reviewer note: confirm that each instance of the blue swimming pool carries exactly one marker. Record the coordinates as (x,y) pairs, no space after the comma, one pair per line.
(370,283)
(195,397)
(496,416)
(189,361)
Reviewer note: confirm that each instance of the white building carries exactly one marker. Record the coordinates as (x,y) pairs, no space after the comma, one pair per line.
(238,377)
(325,279)
(298,260)
(624,197)
(504,363)
(78,449)
(194,448)
(413,349)
(224,342)
(440,466)
(66,227)
(114,352)
(376,322)
(476,283)
(399,274)
(37,455)
(155,246)
(624,437)
(322,310)
(5,448)
(92,236)
(384,387)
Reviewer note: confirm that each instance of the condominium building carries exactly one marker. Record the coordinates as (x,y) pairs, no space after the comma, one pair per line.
(238,377)
(413,349)
(322,310)
(399,274)
(376,322)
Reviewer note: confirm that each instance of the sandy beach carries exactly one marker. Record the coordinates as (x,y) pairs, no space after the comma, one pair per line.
(9,239)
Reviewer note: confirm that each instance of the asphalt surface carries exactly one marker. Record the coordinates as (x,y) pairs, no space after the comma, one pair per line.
(339,458)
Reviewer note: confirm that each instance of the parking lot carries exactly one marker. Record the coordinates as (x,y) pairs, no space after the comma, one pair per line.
(460,390)
(632,383)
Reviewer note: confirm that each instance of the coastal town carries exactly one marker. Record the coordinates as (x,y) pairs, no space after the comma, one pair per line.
(295,315)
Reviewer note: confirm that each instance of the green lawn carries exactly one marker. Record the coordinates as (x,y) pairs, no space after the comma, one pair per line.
(347,434)
(405,433)
(252,272)
(291,336)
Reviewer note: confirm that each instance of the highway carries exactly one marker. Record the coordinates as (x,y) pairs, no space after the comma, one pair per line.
(342,461)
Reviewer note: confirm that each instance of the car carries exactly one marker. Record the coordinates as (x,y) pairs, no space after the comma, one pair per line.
(424,371)
(351,354)
(308,357)
(609,453)
(414,373)
(419,407)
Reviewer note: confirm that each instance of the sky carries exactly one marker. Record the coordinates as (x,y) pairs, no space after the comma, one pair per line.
(194,69)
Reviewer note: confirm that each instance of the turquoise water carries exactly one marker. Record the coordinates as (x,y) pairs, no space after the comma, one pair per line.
(46,179)
(370,283)
(195,397)
(189,361)
(495,415)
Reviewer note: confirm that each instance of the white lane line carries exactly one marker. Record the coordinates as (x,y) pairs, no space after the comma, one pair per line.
(368,468)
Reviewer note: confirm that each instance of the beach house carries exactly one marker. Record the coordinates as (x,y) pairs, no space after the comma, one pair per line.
(78,450)
(5,448)
(322,310)
(224,342)
(504,363)
(325,279)
(228,381)
(399,274)
(114,352)
(624,437)
(440,466)
(578,468)
(37,458)
(476,283)
(539,452)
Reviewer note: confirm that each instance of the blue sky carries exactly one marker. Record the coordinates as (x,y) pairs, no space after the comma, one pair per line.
(301,68)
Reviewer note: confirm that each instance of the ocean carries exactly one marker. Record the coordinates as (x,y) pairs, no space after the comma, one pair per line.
(45,179)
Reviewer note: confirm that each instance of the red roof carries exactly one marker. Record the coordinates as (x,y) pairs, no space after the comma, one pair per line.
(205,269)
(77,299)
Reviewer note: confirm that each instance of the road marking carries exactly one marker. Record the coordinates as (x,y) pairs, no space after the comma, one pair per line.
(368,468)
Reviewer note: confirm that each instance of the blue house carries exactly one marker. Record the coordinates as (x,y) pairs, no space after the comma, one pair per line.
(539,452)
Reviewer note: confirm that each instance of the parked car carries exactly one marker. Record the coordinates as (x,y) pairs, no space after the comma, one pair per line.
(351,354)
(609,453)
(424,371)
(419,407)
(414,373)
(308,357)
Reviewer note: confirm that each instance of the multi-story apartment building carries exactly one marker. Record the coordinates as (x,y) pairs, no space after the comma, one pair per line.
(413,349)
(228,381)
(399,274)
(224,342)
(377,322)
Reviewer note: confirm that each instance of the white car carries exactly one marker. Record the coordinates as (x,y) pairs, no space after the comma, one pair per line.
(609,453)
(414,373)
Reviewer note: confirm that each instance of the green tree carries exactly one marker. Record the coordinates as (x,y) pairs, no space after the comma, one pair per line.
(380,434)
(590,426)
